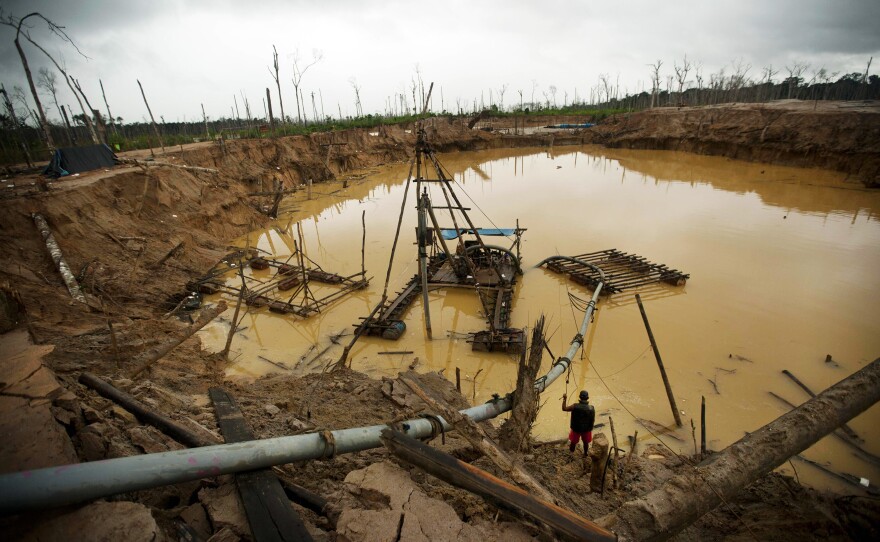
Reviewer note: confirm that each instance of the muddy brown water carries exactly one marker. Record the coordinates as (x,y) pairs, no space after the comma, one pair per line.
(783,264)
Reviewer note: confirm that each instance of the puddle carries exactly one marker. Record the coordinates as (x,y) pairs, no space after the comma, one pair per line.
(783,265)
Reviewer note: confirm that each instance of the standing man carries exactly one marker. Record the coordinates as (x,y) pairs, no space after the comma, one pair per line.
(583,416)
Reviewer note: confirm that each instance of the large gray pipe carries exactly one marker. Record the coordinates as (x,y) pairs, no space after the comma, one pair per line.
(68,484)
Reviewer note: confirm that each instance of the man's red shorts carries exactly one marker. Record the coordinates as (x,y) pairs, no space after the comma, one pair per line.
(574,438)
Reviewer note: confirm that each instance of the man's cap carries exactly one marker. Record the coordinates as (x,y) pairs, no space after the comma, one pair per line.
(584,395)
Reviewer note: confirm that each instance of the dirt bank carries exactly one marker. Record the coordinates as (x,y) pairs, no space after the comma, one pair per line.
(843,136)
(135,235)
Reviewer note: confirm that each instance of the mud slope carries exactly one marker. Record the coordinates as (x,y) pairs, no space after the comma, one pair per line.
(843,136)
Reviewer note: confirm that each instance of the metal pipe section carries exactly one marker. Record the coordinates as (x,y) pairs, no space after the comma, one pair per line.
(69,484)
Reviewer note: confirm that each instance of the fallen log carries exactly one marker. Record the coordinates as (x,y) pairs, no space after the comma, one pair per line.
(58,258)
(480,482)
(143,413)
(686,497)
(844,427)
(157,353)
(268,510)
(849,441)
(153,163)
(478,438)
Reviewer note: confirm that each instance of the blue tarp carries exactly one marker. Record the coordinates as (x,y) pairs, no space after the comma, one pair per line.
(452,233)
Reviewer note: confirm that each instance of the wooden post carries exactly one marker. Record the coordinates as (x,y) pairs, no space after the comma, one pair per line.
(152,120)
(629,456)
(686,497)
(458,379)
(309,191)
(58,258)
(671,397)
(613,453)
(703,427)
(598,457)
(480,482)
(234,324)
(155,354)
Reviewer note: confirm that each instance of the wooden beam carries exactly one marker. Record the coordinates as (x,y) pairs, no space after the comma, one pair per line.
(268,510)
(480,482)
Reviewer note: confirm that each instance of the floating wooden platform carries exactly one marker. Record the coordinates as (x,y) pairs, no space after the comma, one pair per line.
(497,297)
(622,271)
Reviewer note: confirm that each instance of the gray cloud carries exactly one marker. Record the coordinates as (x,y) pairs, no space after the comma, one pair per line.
(192,52)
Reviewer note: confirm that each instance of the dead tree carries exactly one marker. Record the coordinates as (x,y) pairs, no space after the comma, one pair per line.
(277,82)
(13,118)
(109,114)
(681,73)
(357,97)
(514,434)
(152,120)
(11,22)
(86,116)
(48,81)
(298,73)
(269,103)
(794,76)
(92,110)
(205,119)
(686,497)
(655,81)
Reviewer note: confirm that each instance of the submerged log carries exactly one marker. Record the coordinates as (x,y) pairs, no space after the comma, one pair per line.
(686,497)
(480,482)
(159,352)
(58,258)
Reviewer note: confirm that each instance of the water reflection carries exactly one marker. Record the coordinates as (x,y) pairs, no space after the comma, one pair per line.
(783,271)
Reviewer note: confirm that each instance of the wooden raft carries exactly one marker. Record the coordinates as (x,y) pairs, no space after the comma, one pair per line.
(622,271)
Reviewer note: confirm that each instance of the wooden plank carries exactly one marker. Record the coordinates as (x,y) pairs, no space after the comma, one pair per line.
(480,482)
(268,510)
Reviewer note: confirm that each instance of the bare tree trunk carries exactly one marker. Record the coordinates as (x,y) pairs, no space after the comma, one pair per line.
(514,434)
(152,120)
(71,133)
(14,118)
(269,103)
(686,497)
(44,124)
(205,119)
(109,114)
(92,111)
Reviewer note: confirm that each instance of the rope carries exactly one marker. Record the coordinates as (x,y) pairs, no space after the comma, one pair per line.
(627,366)
(329,442)
(436,427)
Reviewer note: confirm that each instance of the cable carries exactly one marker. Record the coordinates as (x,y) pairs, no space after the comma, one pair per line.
(627,366)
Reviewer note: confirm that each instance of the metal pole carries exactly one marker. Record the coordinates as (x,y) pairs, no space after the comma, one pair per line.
(672,404)
(703,428)
(68,484)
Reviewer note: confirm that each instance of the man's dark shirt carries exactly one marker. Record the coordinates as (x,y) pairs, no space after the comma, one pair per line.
(583,416)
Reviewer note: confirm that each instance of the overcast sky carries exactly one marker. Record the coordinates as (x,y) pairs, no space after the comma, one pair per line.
(190,52)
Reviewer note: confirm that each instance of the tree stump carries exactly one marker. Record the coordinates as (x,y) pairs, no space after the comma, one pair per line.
(598,457)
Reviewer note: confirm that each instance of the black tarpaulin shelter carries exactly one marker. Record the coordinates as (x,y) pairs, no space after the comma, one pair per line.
(71,160)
